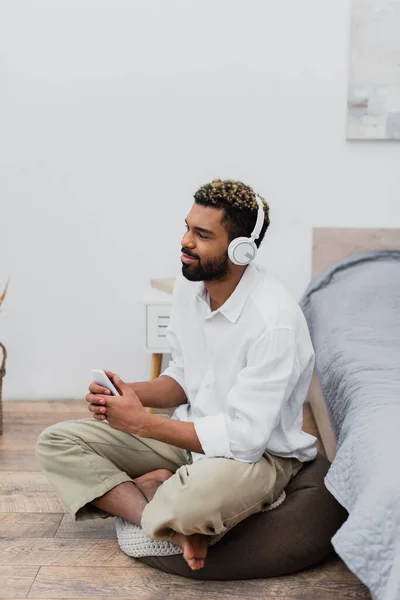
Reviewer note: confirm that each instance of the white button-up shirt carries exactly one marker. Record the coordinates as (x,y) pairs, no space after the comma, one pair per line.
(245,368)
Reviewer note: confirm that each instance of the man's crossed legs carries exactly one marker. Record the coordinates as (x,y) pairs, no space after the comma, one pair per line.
(100,472)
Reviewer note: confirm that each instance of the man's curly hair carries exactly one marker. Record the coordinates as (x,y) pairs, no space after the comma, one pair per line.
(239,202)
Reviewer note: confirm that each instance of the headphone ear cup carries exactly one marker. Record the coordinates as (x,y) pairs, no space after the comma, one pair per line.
(231,252)
(242,250)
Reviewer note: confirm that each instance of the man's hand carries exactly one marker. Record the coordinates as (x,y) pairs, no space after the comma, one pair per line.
(97,405)
(125,412)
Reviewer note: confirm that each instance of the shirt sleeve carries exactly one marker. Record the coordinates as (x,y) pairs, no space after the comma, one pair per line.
(175,367)
(255,402)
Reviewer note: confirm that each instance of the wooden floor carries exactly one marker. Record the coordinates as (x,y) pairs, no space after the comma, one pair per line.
(44,554)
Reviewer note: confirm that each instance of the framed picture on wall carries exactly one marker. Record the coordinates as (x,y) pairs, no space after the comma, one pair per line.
(374,74)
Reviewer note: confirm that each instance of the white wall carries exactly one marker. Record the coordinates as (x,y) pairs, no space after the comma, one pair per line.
(113,113)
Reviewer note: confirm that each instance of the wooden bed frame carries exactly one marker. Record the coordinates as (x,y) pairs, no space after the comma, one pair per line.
(329,246)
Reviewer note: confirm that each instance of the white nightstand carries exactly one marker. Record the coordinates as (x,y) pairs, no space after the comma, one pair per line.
(158,308)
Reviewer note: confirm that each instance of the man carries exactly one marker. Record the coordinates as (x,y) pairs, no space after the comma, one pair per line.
(241,366)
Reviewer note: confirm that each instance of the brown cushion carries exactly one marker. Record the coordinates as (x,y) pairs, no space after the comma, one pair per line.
(294,536)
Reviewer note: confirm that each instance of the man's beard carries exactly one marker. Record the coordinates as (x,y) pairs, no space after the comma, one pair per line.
(212,270)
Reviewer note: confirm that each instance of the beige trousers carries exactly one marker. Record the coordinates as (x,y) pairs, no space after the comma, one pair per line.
(83,459)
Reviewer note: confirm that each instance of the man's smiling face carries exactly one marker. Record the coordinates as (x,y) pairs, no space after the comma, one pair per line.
(205,245)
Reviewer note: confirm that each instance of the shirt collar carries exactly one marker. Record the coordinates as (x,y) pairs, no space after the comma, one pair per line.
(233,306)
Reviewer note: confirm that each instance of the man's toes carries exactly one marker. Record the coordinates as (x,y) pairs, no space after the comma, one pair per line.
(164,474)
(188,554)
(196,563)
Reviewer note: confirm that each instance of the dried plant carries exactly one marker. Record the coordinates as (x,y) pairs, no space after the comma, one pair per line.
(3,294)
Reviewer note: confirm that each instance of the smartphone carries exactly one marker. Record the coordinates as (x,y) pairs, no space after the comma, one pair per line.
(101,378)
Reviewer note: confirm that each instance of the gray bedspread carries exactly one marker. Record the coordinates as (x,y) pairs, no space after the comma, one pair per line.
(353,312)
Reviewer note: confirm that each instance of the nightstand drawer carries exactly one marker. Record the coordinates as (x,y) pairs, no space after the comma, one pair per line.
(157,320)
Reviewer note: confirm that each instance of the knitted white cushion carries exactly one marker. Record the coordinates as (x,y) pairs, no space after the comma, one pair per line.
(134,542)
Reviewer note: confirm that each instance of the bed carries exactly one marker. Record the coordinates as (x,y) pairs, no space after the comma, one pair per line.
(352,306)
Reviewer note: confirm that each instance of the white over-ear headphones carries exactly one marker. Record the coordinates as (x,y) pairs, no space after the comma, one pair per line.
(242,250)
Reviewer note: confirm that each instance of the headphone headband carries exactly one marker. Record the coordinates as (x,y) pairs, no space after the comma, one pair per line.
(260,219)
(242,250)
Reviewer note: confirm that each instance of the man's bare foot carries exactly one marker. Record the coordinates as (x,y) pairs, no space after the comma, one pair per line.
(194,548)
(149,483)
